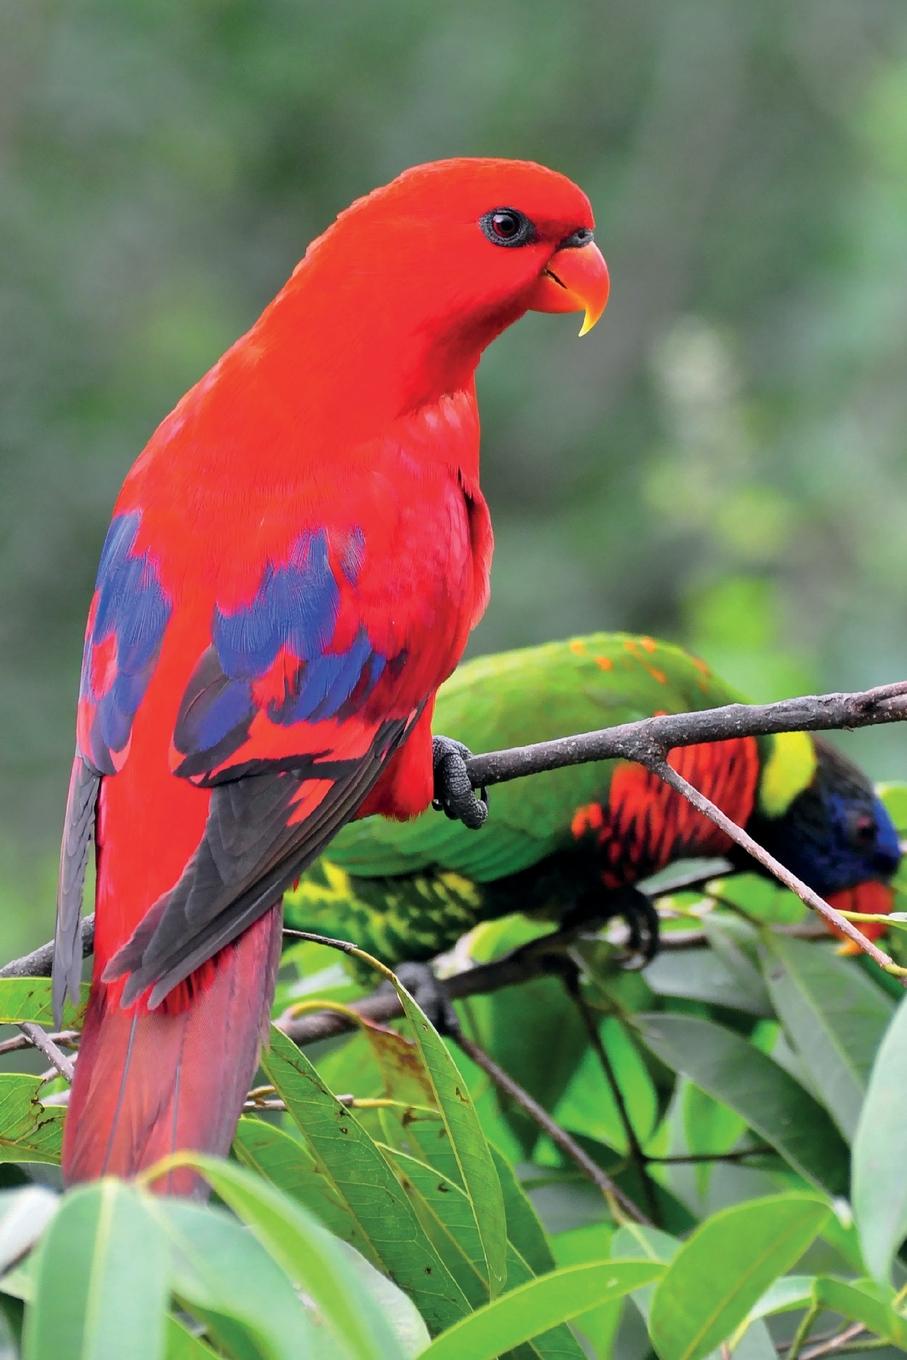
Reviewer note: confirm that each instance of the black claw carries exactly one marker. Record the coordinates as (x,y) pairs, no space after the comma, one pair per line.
(643,924)
(430,994)
(635,909)
(454,794)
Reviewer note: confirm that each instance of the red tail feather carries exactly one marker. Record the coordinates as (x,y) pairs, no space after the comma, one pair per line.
(149,1083)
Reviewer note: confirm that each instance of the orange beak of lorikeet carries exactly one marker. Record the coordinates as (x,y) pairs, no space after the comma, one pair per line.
(575,279)
(873,898)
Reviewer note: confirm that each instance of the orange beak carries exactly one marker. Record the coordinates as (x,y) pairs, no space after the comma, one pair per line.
(874,899)
(575,279)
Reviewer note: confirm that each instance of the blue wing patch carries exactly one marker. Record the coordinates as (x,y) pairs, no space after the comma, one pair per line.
(129,615)
(291,621)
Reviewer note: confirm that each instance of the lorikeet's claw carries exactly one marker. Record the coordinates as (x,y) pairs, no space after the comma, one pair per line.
(454,794)
(633,906)
(642,922)
(430,994)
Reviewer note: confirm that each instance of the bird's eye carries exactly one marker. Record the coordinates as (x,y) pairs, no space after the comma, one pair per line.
(863,830)
(507,227)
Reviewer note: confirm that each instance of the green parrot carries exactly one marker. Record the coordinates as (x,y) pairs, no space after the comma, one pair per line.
(569,843)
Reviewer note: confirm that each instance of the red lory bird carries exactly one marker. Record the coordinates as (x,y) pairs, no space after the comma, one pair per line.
(293,567)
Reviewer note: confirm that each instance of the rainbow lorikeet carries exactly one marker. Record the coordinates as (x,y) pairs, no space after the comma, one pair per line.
(293,567)
(565,843)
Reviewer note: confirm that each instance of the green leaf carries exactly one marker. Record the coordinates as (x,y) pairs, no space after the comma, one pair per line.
(722,1270)
(305,1251)
(834,1016)
(736,944)
(29,1131)
(24,1214)
(588,1106)
(771,1102)
(597,1326)
(536,1307)
(222,1275)
(354,1168)
(30,999)
(458,1240)
(467,1141)
(101,1279)
(880,1153)
(709,1127)
(524,1228)
(183,1344)
(784,1295)
(397,1309)
(864,1303)
(283,1160)
(699,975)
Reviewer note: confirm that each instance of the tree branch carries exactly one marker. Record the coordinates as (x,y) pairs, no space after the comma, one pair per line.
(651,738)
(647,742)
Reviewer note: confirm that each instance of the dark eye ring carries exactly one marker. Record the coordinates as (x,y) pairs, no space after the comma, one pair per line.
(863,830)
(507,227)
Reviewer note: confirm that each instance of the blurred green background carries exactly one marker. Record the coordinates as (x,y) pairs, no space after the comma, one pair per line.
(722,462)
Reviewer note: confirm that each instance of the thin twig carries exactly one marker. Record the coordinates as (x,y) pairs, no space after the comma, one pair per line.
(833,1345)
(689,1158)
(42,1041)
(637,1156)
(658,765)
(542,1119)
(66,1038)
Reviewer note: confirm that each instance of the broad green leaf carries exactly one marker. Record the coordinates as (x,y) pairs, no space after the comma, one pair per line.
(771,1102)
(101,1279)
(736,944)
(356,1171)
(222,1275)
(761,899)
(29,1131)
(699,975)
(637,1239)
(866,1303)
(880,1153)
(784,1295)
(30,999)
(722,1270)
(533,1308)
(709,1127)
(588,1106)
(833,1015)
(894,796)
(517,1024)
(397,1309)
(597,1327)
(305,1251)
(467,1141)
(24,1214)
(456,1235)
(286,1162)
(524,1228)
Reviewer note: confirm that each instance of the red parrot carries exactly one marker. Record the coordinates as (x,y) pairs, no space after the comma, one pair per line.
(292,569)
